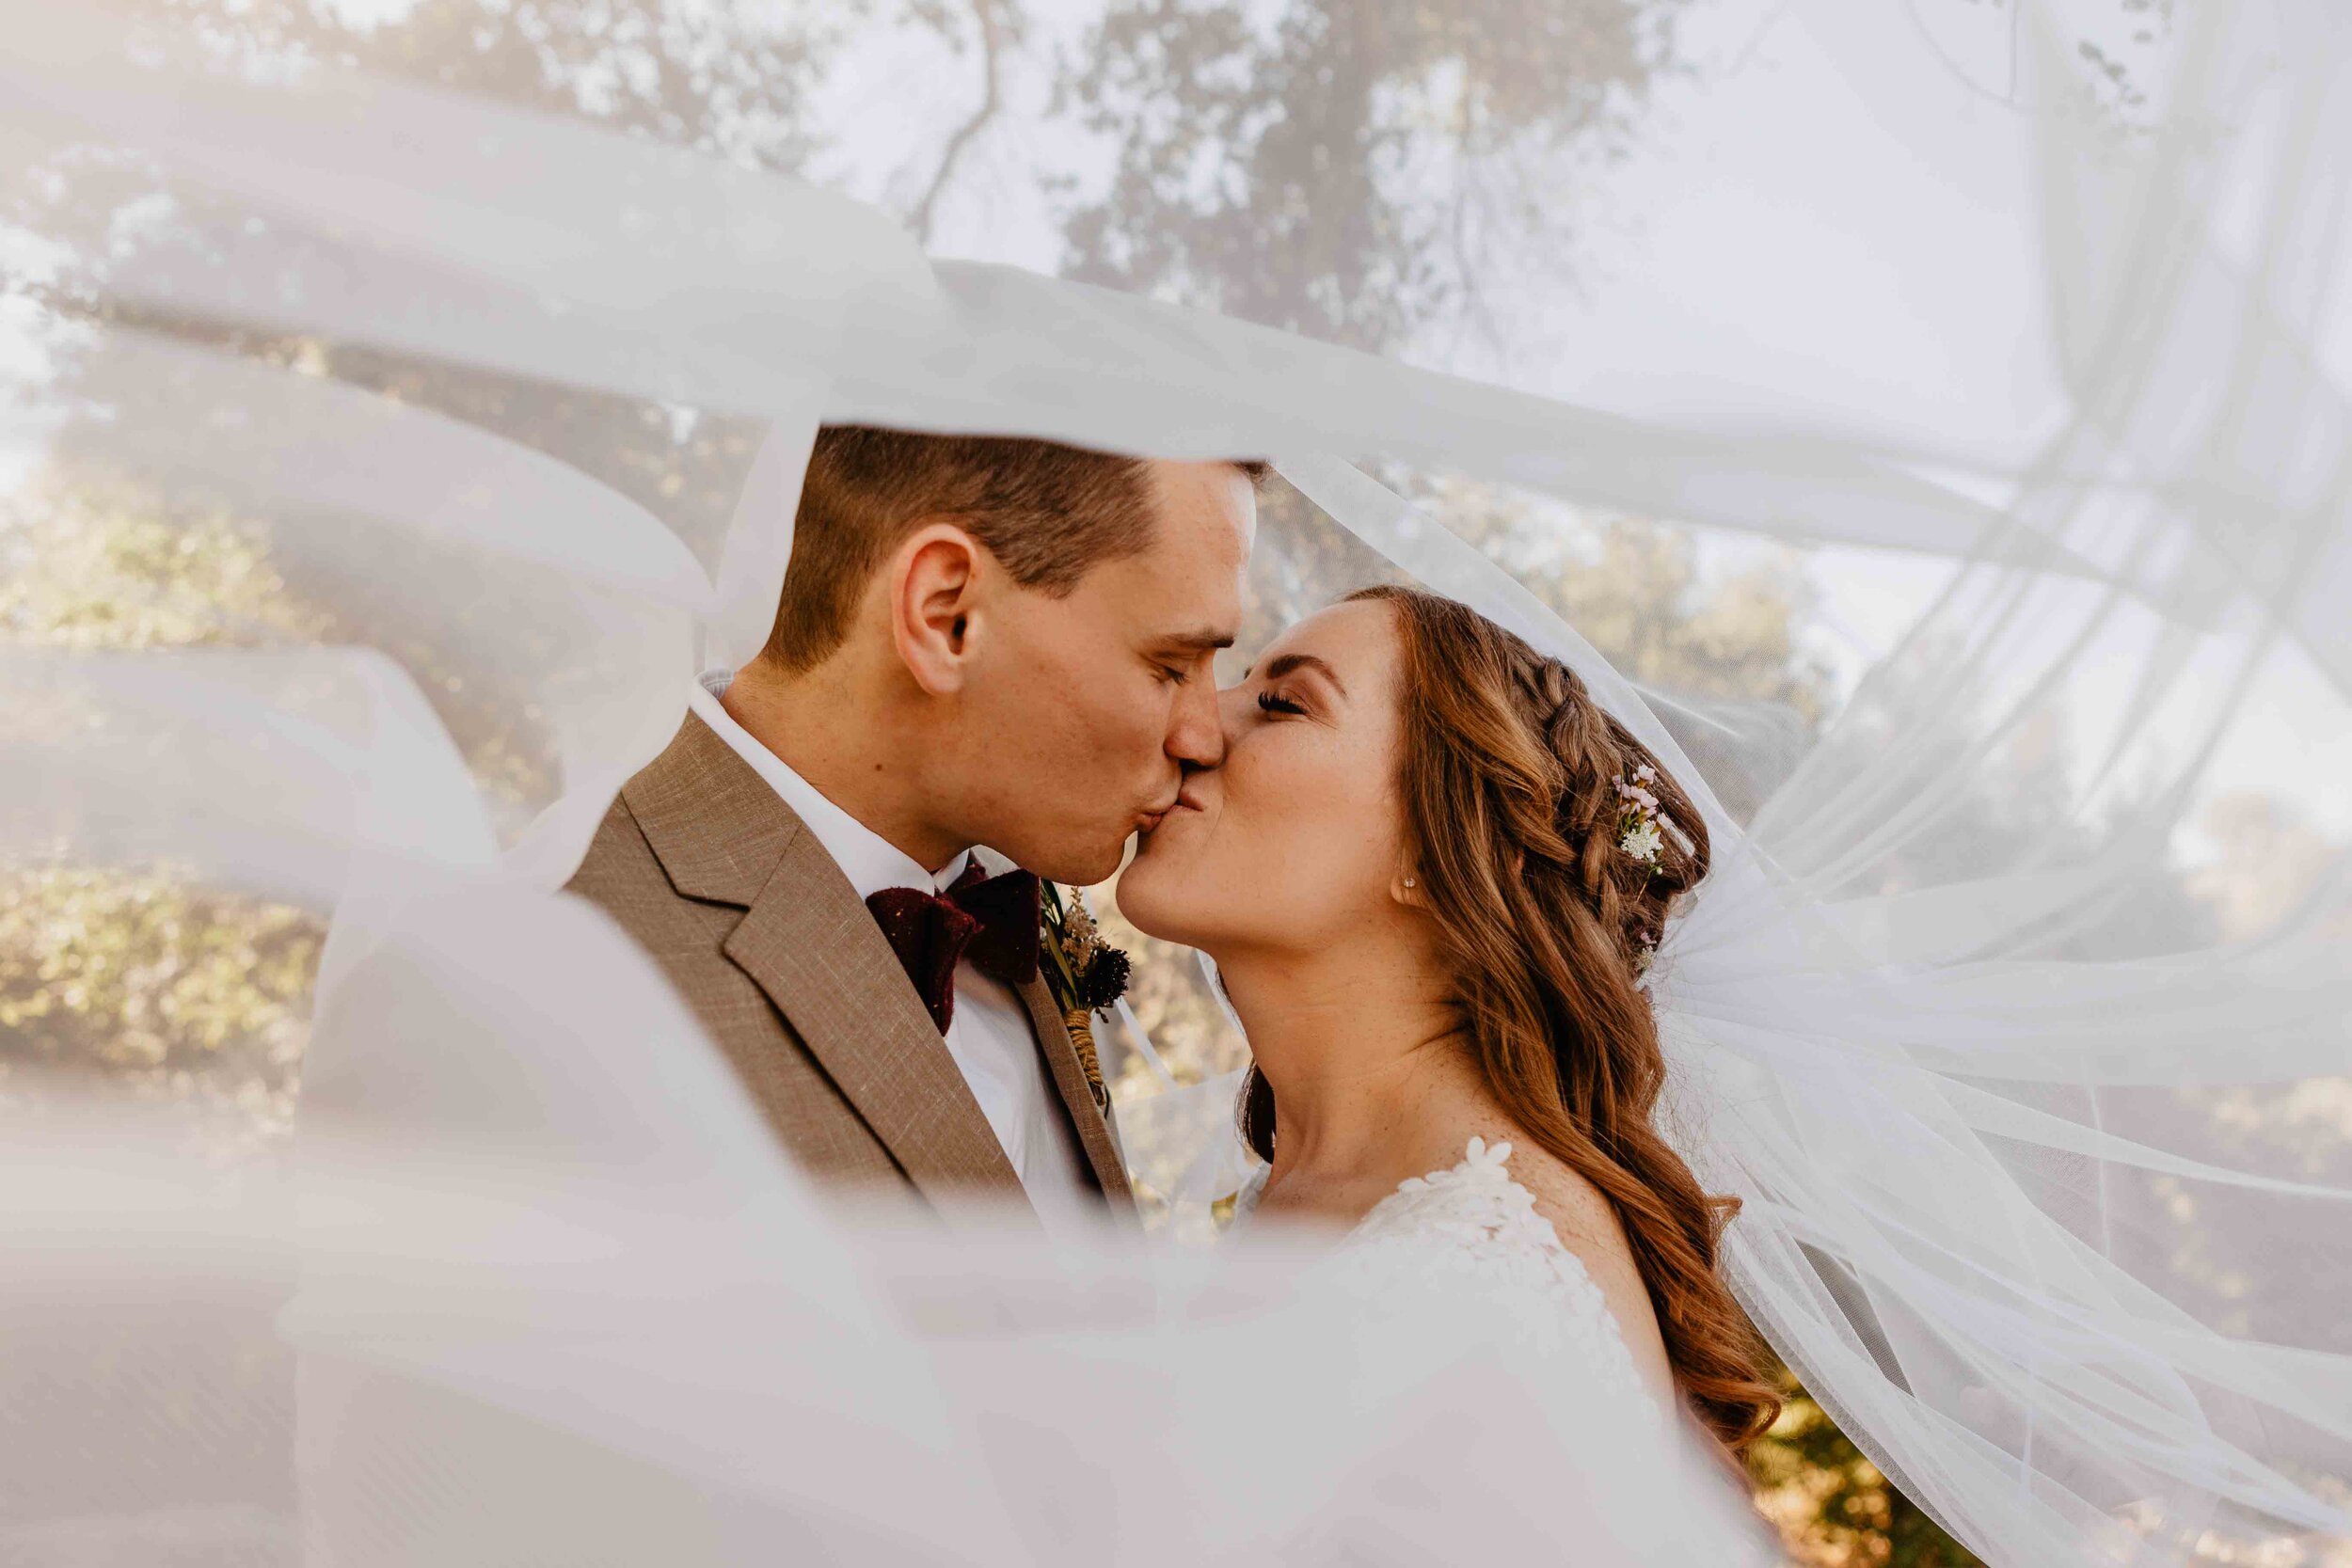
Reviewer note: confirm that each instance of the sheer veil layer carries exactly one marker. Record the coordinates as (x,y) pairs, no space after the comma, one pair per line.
(1934,445)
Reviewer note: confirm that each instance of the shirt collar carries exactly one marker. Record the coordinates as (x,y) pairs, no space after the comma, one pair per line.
(870,861)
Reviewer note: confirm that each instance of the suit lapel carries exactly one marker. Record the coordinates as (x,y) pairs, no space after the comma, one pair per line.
(810,943)
(1077,1095)
(807,941)
(713,823)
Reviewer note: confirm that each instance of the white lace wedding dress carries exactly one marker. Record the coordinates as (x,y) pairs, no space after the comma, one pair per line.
(1473,1231)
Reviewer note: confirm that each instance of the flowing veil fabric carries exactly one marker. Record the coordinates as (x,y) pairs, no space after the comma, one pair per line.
(2033,1073)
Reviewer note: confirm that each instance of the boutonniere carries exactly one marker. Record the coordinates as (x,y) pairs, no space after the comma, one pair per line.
(1084,973)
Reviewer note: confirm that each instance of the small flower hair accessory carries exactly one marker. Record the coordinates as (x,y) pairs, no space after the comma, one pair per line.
(1641,826)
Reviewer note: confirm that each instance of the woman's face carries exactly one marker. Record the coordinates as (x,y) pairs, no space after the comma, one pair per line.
(1295,841)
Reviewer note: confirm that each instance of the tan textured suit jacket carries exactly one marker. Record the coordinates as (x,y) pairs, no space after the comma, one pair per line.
(715,877)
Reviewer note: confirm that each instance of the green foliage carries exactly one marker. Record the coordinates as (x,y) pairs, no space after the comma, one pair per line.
(99,563)
(143,983)
(1834,1508)
(1632,587)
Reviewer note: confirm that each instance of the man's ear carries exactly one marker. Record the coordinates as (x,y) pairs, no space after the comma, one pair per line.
(934,579)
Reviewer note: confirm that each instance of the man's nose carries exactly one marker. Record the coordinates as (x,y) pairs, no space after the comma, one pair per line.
(1196,733)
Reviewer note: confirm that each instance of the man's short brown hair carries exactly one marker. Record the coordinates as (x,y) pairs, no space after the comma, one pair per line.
(1049,514)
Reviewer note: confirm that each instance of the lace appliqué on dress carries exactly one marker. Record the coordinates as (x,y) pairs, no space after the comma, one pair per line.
(1476,1227)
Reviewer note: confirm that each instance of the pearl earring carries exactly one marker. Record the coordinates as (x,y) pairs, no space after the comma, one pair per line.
(1409,881)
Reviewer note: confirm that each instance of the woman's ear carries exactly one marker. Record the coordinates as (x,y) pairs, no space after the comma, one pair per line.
(932,582)
(1405,887)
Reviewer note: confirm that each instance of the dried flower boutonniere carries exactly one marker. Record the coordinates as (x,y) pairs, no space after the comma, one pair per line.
(1085,974)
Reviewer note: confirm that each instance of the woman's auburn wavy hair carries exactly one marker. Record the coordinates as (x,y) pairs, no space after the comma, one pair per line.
(1509,784)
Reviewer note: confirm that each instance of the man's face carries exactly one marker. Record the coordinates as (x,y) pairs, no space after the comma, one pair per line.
(1083,711)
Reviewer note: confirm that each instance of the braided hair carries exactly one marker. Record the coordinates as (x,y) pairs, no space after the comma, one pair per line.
(1514,817)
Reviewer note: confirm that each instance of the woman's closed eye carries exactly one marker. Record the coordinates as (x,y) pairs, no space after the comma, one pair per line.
(1269,702)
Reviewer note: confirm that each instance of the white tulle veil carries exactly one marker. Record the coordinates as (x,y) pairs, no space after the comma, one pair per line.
(2017,1009)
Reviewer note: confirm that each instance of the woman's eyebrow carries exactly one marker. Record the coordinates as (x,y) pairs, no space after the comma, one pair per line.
(1277,668)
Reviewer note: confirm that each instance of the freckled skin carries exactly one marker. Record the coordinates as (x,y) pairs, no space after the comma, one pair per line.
(1288,866)
(1297,834)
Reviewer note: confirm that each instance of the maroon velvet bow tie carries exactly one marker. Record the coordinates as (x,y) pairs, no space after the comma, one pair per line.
(991,921)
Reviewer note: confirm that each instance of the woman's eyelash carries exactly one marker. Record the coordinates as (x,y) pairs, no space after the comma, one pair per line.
(1269,702)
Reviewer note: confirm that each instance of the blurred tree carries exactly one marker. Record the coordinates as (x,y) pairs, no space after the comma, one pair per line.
(144,978)
(97,563)
(154,985)
(1833,1507)
(730,77)
(1633,588)
(736,79)
(1352,170)
(2271,858)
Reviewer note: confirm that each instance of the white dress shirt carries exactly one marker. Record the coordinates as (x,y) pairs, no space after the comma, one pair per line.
(989,1033)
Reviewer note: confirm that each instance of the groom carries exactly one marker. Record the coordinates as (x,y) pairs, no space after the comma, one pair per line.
(980,640)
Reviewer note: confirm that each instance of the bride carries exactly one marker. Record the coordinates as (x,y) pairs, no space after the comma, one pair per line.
(1432,872)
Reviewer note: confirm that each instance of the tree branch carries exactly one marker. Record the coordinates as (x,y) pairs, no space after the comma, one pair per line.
(991,44)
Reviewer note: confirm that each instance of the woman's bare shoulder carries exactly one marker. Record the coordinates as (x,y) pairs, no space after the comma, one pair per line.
(1579,1214)
(1587,1226)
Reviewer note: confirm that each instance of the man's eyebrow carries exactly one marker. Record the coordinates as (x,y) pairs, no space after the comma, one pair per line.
(1202,642)
(1275,669)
